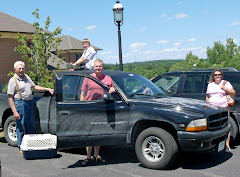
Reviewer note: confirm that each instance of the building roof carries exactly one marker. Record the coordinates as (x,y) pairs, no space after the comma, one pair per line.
(71,43)
(12,24)
(54,60)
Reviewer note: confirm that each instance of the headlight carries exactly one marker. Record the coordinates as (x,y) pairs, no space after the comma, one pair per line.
(197,125)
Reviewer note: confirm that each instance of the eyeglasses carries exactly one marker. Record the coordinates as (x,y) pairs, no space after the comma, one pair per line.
(217,74)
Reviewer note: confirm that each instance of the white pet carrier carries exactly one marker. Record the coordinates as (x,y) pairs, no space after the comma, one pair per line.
(36,146)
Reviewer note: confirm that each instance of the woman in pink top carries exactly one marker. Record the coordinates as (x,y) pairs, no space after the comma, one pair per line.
(217,92)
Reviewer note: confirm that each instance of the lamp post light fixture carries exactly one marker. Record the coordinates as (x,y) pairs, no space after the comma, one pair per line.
(194,65)
(118,21)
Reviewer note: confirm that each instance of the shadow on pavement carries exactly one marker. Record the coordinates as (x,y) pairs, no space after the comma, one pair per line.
(190,160)
(203,160)
(2,139)
(112,155)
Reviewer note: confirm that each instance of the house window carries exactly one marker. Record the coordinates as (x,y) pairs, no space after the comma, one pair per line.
(30,44)
(78,56)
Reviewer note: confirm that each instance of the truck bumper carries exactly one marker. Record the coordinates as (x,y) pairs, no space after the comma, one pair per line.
(203,140)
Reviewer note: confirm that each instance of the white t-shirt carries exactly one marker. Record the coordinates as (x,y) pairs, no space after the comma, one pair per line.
(217,95)
(91,55)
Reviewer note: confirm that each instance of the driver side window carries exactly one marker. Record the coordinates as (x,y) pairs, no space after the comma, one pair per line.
(70,87)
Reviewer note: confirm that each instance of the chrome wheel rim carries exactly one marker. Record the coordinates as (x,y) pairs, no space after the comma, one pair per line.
(153,149)
(12,131)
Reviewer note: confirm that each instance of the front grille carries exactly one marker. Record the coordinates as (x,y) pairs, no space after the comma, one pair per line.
(217,121)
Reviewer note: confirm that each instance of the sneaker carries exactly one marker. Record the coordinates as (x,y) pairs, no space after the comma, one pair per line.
(87,161)
(99,159)
(69,66)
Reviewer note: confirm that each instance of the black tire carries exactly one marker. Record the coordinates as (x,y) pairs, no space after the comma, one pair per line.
(157,142)
(10,131)
(234,129)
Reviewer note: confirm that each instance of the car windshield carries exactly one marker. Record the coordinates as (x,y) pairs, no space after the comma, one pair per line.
(136,86)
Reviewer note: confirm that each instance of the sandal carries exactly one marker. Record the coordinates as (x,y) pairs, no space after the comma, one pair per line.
(87,161)
(228,150)
(98,159)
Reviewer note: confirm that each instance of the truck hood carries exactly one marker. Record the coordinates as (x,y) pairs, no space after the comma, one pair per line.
(181,105)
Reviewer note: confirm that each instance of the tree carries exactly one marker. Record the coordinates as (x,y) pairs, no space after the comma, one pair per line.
(39,51)
(224,56)
(189,62)
(218,56)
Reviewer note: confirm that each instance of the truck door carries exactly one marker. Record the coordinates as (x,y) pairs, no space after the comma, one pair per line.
(93,122)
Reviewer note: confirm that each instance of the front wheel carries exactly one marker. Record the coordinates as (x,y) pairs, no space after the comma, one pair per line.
(234,129)
(156,148)
(10,131)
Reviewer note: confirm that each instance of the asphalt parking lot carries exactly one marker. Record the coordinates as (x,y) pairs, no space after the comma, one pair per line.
(120,161)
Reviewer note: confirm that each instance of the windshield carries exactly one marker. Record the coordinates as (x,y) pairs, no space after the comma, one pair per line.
(135,86)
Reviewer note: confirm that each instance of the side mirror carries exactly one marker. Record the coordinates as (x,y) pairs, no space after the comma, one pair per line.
(107,97)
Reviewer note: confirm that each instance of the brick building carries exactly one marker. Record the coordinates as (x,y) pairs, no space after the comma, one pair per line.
(10,27)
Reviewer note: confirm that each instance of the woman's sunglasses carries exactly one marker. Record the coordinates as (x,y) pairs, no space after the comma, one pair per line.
(217,74)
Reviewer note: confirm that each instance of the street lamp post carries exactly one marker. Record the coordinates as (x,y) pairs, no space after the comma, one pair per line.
(118,20)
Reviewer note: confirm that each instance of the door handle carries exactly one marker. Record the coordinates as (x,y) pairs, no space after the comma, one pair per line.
(64,113)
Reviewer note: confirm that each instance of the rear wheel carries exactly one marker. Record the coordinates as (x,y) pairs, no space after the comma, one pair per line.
(156,148)
(10,131)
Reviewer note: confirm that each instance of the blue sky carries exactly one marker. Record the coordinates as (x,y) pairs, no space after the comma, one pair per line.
(152,29)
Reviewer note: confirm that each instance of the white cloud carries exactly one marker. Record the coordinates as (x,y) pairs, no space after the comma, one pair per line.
(235,24)
(180,3)
(105,53)
(235,40)
(68,28)
(163,15)
(170,50)
(142,29)
(192,39)
(180,15)
(139,30)
(177,43)
(91,27)
(138,45)
(162,42)
(192,49)
(134,51)
(149,52)
(184,41)
(169,18)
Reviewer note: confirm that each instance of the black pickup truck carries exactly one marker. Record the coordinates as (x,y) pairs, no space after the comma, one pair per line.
(139,114)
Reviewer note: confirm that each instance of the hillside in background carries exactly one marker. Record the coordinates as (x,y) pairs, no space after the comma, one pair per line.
(149,69)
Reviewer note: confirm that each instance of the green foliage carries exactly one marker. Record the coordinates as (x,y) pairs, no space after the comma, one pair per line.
(4,90)
(39,51)
(148,69)
(218,56)
(224,56)
(189,62)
